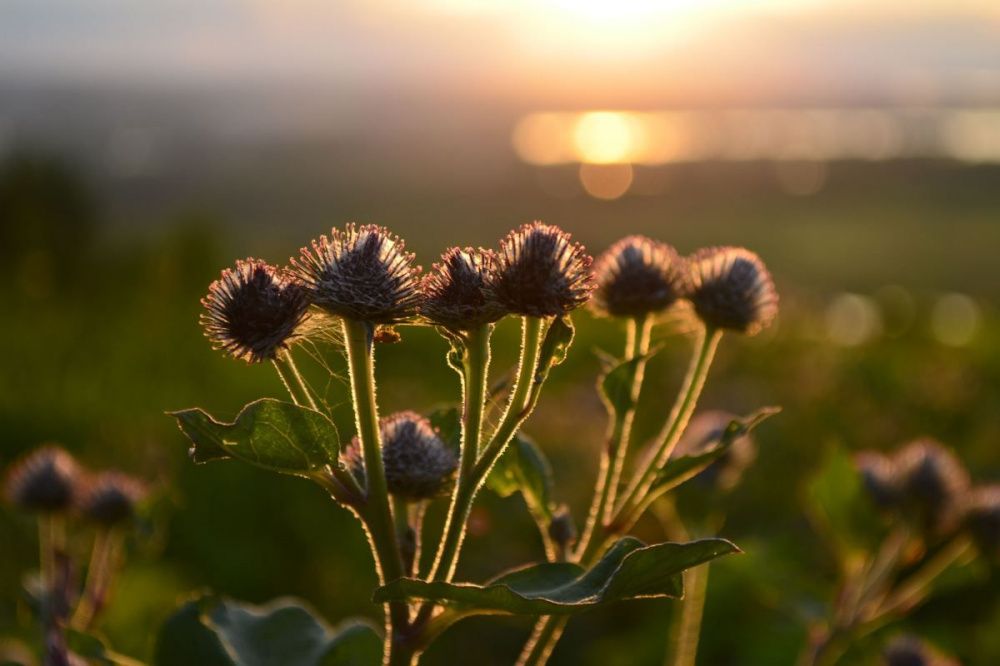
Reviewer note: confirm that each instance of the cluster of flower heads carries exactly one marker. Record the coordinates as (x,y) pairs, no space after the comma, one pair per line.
(728,287)
(364,273)
(418,464)
(926,484)
(49,480)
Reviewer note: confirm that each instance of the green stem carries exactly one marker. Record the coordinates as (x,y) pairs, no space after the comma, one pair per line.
(93,590)
(543,641)
(376,511)
(914,588)
(284,381)
(665,442)
(620,431)
(301,382)
(687,626)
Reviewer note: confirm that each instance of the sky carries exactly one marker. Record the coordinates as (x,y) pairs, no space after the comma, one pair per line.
(552,53)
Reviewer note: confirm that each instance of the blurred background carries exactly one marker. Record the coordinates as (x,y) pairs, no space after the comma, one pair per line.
(855,145)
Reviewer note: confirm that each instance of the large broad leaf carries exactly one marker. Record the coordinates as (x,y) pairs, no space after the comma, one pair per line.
(229,633)
(628,570)
(680,469)
(267,433)
(555,346)
(523,467)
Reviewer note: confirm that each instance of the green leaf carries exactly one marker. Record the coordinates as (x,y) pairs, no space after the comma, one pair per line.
(615,385)
(268,433)
(523,467)
(555,346)
(220,632)
(837,505)
(628,570)
(682,468)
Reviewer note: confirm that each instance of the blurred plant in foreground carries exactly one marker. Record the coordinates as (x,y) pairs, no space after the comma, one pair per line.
(354,288)
(49,483)
(899,522)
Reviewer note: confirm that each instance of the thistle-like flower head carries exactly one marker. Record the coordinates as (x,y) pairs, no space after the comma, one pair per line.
(253,311)
(909,650)
(732,289)
(933,482)
(638,276)
(459,292)
(879,478)
(982,518)
(541,272)
(44,480)
(418,465)
(110,498)
(361,273)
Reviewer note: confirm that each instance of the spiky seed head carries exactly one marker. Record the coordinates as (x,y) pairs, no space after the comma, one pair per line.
(253,311)
(879,478)
(110,498)
(704,432)
(541,272)
(362,273)
(933,483)
(638,276)
(418,465)
(982,518)
(459,292)
(732,289)
(43,480)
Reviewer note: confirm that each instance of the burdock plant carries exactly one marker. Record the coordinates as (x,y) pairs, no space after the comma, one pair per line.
(352,288)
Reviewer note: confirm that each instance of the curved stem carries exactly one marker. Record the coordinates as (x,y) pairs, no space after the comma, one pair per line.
(543,641)
(665,442)
(284,381)
(376,511)
(683,647)
(306,391)
(103,563)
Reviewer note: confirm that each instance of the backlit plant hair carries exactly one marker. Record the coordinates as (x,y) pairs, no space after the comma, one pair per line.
(732,289)
(393,467)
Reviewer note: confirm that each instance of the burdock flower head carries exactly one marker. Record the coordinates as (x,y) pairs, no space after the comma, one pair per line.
(879,478)
(418,465)
(361,273)
(638,276)
(541,272)
(44,480)
(732,289)
(253,311)
(933,483)
(982,518)
(110,498)
(458,291)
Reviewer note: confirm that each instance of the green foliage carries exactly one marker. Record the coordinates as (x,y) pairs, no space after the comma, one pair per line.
(211,631)
(615,385)
(628,570)
(682,468)
(268,433)
(555,346)
(523,467)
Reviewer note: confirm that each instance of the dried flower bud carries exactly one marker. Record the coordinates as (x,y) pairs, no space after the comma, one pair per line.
(253,311)
(110,498)
(541,272)
(638,276)
(562,529)
(361,273)
(703,433)
(982,518)
(933,482)
(879,478)
(43,480)
(732,289)
(459,291)
(418,465)
(911,651)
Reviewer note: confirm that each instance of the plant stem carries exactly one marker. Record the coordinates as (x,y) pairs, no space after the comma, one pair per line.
(284,381)
(683,647)
(543,641)
(672,430)
(103,563)
(470,480)
(53,564)
(302,382)
(915,587)
(613,455)
(376,511)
